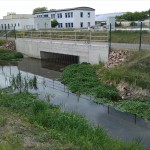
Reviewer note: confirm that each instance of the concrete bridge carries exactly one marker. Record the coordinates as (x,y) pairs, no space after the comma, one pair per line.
(80,51)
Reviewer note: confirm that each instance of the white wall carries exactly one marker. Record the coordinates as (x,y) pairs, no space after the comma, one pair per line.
(26,24)
(87,53)
(76,19)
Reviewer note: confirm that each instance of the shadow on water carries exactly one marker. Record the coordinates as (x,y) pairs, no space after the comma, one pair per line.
(118,124)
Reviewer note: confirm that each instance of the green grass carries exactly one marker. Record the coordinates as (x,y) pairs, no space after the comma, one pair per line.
(139,107)
(66,127)
(2,42)
(9,55)
(130,37)
(136,71)
(82,79)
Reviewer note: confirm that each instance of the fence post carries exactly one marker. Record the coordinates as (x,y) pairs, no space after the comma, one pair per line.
(140,36)
(75,36)
(110,37)
(15,31)
(5,32)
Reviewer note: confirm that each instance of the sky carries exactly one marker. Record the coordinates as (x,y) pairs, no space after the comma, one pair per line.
(100,6)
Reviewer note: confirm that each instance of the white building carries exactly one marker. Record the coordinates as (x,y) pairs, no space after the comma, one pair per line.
(24,22)
(79,17)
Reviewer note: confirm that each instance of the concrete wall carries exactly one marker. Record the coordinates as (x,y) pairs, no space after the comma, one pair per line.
(87,53)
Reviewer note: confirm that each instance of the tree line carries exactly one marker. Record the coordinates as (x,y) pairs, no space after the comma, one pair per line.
(134,16)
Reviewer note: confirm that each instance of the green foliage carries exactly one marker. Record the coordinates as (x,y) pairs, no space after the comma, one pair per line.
(2,121)
(39,9)
(134,16)
(2,42)
(139,107)
(9,55)
(82,79)
(62,125)
(135,71)
(54,23)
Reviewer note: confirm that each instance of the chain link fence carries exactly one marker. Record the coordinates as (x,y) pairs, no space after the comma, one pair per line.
(130,36)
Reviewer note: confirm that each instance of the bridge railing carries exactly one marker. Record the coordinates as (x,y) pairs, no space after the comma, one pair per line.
(86,36)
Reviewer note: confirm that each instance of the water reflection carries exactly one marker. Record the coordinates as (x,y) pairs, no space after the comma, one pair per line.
(117,124)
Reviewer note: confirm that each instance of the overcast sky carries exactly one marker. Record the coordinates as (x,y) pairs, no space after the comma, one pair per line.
(100,6)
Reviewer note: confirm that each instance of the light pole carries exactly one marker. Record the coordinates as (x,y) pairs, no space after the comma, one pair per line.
(149,17)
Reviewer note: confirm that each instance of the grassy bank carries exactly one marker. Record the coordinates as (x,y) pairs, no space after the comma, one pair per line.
(130,37)
(9,55)
(69,131)
(135,72)
(82,79)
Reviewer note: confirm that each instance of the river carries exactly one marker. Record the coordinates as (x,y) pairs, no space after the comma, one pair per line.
(118,124)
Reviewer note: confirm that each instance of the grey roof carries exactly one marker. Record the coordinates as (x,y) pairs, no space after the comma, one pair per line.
(103,17)
(68,9)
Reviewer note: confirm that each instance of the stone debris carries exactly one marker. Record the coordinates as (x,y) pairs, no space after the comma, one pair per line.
(9,45)
(116,58)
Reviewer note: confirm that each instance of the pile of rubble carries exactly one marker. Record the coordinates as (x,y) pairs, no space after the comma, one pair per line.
(9,45)
(116,58)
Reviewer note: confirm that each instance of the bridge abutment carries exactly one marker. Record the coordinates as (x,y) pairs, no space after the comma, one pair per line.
(90,53)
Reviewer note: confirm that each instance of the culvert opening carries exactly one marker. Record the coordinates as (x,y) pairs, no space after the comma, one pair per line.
(50,59)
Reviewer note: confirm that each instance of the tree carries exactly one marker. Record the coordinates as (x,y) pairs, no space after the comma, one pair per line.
(54,23)
(39,9)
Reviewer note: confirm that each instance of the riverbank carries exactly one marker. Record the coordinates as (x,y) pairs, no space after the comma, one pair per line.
(47,126)
(125,87)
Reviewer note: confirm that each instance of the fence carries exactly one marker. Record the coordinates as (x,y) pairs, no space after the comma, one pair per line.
(85,35)
(126,36)
(131,36)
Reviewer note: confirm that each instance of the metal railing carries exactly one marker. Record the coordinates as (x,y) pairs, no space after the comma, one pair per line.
(86,36)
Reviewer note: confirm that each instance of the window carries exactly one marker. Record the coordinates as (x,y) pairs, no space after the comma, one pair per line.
(66,25)
(46,15)
(66,15)
(60,25)
(8,26)
(59,15)
(52,16)
(88,14)
(89,24)
(71,14)
(72,25)
(81,24)
(81,14)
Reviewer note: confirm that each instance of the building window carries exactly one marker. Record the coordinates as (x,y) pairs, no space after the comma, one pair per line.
(52,16)
(89,24)
(8,26)
(59,15)
(18,25)
(46,15)
(72,25)
(88,15)
(66,15)
(66,25)
(71,14)
(81,14)
(60,25)
(81,24)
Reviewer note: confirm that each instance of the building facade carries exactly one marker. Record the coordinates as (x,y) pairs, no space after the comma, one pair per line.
(79,17)
(24,22)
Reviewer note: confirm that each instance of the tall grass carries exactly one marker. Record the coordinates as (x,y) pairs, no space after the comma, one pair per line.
(135,71)
(82,79)
(9,55)
(2,42)
(62,125)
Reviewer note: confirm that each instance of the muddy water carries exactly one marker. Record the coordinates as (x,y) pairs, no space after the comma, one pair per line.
(118,124)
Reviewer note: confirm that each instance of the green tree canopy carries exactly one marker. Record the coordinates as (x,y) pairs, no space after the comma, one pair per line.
(39,9)
(134,16)
(54,23)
